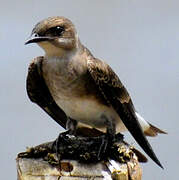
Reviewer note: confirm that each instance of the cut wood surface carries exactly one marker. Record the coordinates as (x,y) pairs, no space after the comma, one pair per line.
(38,169)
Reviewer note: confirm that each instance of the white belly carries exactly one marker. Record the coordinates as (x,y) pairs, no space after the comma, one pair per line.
(89,112)
(84,110)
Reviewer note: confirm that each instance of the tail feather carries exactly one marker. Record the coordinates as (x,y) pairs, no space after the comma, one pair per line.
(148,129)
(153,131)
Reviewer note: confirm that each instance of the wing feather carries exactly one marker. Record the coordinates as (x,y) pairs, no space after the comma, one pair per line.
(39,93)
(116,94)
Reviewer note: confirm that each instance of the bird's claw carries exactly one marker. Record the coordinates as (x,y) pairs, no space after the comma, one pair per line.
(107,141)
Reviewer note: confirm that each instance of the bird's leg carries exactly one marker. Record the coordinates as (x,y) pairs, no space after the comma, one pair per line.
(71,130)
(109,137)
(71,126)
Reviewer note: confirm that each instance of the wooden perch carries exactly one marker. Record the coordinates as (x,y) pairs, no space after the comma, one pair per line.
(79,159)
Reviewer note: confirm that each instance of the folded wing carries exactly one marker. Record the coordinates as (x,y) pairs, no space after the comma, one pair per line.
(39,93)
(116,94)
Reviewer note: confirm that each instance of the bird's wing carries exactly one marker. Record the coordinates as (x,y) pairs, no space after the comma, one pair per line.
(117,96)
(38,92)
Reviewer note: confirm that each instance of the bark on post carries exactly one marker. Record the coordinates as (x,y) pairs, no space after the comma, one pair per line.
(41,163)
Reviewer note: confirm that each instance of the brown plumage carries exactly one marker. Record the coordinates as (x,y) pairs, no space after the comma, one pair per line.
(70,81)
(38,92)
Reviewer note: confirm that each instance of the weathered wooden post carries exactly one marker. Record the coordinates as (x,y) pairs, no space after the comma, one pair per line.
(79,161)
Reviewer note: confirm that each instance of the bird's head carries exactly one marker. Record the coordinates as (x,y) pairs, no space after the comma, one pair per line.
(56,35)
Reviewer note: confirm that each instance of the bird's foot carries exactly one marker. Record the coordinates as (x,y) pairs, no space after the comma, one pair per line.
(104,143)
(107,141)
(57,143)
(71,126)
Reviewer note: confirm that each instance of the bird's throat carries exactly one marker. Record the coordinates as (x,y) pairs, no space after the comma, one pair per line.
(52,50)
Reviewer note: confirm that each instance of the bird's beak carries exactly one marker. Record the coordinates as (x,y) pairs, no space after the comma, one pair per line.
(36,39)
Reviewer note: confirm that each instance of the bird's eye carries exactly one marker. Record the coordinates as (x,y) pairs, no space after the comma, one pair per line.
(36,35)
(56,31)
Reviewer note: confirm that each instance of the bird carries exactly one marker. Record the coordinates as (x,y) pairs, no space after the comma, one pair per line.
(79,90)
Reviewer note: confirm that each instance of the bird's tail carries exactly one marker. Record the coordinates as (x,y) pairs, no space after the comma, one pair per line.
(149,129)
(153,131)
